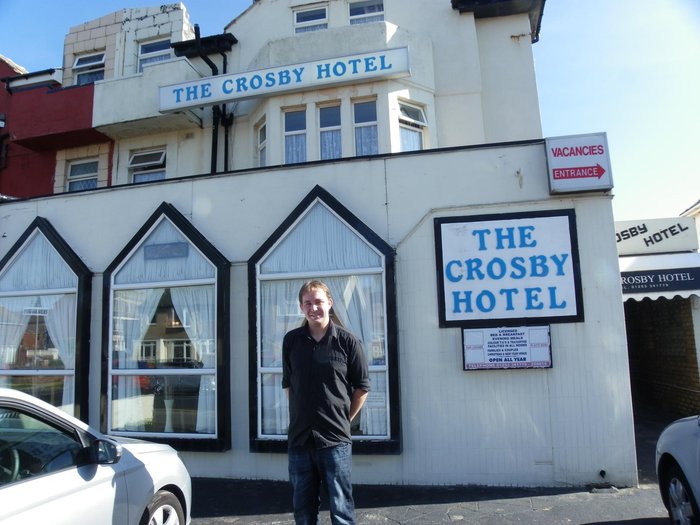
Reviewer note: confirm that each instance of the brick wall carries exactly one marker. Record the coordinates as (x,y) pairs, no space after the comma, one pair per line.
(663,362)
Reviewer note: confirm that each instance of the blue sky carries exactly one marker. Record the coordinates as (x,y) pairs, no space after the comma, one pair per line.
(629,68)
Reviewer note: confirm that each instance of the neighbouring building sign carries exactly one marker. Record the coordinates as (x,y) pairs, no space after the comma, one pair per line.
(578,163)
(671,280)
(648,236)
(390,63)
(508,270)
(507,347)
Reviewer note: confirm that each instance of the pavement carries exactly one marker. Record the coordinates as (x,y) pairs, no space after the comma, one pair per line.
(257,502)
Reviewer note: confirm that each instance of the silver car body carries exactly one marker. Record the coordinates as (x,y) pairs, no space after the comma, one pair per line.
(679,444)
(108,490)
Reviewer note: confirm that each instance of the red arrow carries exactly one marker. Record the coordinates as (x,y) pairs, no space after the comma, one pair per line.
(583,172)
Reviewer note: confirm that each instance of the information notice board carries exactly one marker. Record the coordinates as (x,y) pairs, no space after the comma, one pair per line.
(507,347)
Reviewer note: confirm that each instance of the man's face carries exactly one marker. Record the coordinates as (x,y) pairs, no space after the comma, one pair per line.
(316,306)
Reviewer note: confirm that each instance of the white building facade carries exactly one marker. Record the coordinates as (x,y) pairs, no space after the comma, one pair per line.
(390,148)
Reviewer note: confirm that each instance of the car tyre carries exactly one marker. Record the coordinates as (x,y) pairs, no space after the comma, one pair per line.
(682,509)
(164,509)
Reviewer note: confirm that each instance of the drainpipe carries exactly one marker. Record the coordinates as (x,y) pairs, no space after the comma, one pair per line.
(216,111)
(226,119)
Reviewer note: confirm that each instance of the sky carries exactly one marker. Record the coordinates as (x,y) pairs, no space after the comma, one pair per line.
(628,68)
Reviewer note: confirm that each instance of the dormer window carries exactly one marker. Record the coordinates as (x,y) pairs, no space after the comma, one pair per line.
(313,19)
(89,68)
(366,12)
(152,52)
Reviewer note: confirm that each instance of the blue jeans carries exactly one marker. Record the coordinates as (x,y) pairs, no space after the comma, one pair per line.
(309,469)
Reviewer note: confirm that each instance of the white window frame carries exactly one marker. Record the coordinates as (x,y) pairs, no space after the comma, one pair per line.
(412,119)
(368,15)
(315,24)
(288,135)
(88,64)
(157,55)
(365,124)
(335,128)
(261,139)
(84,177)
(145,168)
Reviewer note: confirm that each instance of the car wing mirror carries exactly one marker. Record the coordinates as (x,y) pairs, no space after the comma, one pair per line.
(105,452)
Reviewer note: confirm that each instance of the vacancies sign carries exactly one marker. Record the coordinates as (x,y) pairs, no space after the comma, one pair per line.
(508,270)
(390,63)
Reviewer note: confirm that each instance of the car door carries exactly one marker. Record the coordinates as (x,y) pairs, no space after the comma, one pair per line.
(46,474)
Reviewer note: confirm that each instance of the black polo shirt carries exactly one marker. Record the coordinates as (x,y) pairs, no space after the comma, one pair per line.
(321,377)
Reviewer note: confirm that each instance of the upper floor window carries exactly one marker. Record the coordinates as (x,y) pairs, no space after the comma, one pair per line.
(295,136)
(151,52)
(365,122)
(329,124)
(145,166)
(412,123)
(312,19)
(366,11)
(261,132)
(89,68)
(82,175)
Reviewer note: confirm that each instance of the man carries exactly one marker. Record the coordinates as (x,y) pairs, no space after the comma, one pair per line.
(327,380)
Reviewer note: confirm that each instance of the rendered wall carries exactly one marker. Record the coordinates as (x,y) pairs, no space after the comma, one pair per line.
(550,427)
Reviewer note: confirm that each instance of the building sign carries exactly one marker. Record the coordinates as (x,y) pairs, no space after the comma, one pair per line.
(578,163)
(515,347)
(656,236)
(390,63)
(508,270)
(671,280)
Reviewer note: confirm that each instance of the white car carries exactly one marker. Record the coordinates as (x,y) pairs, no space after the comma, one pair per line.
(678,469)
(55,468)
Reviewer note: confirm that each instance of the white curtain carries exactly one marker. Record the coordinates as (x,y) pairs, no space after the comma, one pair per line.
(366,140)
(330,144)
(144,267)
(199,303)
(295,148)
(355,311)
(133,311)
(411,139)
(38,267)
(61,324)
(13,325)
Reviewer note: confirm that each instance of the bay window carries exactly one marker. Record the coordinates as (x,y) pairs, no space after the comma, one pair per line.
(44,318)
(358,267)
(166,300)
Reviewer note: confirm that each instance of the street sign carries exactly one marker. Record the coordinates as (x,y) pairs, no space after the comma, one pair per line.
(578,163)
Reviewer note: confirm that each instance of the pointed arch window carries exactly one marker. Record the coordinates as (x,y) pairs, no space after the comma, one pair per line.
(167,371)
(322,239)
(45,294)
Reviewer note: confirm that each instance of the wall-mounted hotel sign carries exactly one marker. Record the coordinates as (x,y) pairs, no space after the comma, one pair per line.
(578,163)
(390,63)
(507,347)
(508,270)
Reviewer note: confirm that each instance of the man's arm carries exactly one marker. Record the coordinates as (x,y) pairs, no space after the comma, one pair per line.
(358,399)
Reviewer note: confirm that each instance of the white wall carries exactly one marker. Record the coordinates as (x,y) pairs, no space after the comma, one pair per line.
(555,427)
